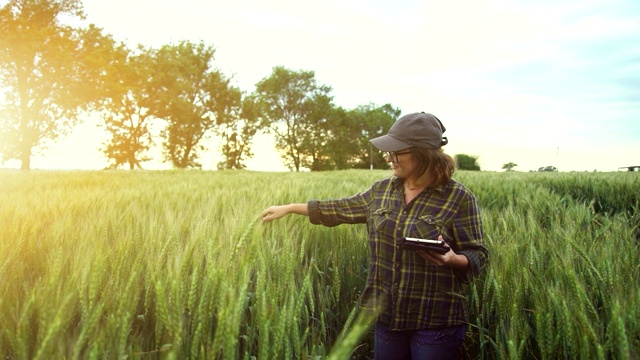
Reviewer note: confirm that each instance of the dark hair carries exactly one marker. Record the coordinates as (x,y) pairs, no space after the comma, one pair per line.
(435,168)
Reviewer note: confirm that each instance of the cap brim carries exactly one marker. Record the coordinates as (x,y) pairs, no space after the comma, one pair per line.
(389,143)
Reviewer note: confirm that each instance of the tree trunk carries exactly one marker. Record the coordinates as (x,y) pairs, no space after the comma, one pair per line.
(132,158)
(25,156)
(26,142)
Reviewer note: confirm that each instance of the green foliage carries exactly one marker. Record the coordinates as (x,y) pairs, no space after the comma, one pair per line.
(296,109)
(509,166)
(548,168)
(127,116)
(368,122)
(467,162)
(558,270)
(346,137)
(49,71)
(608,193)
(177,265)
(236,132)
(191,96)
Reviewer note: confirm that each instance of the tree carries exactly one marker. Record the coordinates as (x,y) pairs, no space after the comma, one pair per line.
(50,73)
(349,132)
(509,166)
(237,132)
(190,95)
(467,162)
(372,121)
(314,146)
(127,117)
(341,145)
(294,110)
(548,168)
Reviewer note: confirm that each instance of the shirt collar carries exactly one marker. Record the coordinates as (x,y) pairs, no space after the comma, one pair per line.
(398,183)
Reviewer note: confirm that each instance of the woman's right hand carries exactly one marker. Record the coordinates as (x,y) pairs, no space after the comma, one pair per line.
(278,211)
(274,212)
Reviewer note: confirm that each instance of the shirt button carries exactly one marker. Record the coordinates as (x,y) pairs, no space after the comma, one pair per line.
(404,212)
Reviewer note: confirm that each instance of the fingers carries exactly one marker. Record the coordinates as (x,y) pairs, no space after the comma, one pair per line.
(271,213)
(427,256)
(433,257)
(267,214)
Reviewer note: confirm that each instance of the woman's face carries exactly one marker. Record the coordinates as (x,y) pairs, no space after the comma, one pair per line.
(402,163)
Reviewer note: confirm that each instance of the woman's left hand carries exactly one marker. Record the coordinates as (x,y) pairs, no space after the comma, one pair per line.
(450,258)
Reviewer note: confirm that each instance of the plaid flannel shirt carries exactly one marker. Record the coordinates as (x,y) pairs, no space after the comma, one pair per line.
(410,292)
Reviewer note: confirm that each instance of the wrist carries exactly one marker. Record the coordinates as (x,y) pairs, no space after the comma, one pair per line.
(460,262)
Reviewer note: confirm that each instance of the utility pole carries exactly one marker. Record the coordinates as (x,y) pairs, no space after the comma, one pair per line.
(370,157)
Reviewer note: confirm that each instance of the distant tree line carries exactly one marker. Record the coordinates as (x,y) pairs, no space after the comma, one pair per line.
(52,74)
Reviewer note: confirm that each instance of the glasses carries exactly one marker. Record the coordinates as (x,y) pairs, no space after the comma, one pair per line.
(394,155)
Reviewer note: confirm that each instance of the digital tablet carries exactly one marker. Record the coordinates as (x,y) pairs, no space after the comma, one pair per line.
(439,246)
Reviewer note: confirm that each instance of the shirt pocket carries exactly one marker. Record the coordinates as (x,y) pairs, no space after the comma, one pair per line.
(427,227)
(380,219)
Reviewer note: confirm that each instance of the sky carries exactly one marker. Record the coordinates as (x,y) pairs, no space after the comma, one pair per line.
(536,83)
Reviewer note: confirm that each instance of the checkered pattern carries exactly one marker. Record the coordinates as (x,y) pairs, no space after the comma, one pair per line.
(410,292)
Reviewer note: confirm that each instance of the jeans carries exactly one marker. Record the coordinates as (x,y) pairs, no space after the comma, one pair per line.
(439,344)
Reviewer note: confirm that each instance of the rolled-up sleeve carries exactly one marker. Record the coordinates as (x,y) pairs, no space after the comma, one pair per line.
(350,210)
(314,213)
(469,233)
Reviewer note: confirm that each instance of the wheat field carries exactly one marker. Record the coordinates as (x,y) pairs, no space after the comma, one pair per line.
(178,265)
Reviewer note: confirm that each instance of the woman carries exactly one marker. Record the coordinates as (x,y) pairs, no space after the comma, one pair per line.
(418,294)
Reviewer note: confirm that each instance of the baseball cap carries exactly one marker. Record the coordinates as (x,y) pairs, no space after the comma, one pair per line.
(420,129)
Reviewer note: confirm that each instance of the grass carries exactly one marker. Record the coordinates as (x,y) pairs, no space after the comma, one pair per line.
(176,264)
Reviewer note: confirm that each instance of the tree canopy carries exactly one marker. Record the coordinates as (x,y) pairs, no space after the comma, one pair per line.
(467,162)
(49,71)
(509,166)
(295,109)
(52,75)
(127,111)
(237,131)
(192,96)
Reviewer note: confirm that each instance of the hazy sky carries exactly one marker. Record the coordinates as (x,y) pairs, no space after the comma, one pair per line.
(532,82)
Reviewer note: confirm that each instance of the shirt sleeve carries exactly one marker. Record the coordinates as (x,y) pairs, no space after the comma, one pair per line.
(469,233)
(350,210)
